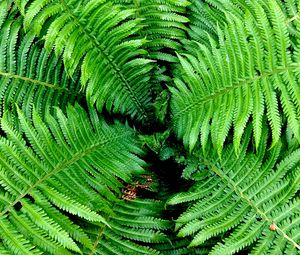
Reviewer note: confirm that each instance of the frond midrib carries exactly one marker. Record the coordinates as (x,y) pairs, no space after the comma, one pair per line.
(100,234)
(99,48)
(292,19)
(61,166)
(234,86)
(34,81)
(248,200)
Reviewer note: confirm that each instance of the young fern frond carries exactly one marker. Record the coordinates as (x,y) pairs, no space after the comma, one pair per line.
(30,76)
(98,37)
(76,165)
(253,198)
(253,70)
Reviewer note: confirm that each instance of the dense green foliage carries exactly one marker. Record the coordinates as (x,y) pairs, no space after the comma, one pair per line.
(149,127)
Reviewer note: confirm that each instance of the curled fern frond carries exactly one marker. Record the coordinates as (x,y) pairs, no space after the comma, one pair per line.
(252,71)
(252,202)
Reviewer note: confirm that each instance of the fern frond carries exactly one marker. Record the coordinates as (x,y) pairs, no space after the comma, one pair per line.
(70,183)
(4,7)
(30,76)
(205,17)
(99,37)
(53,173)
(163,24)
(179,246)
(252,200)
(251,71)
(133,225)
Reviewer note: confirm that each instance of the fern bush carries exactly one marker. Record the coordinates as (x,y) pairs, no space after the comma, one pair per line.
(149,127)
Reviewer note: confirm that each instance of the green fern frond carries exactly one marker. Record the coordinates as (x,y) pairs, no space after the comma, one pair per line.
(30,76)
(252,71)
(204,18)
(229,74)
(4,7)
(98,37)
(133,226)
(179,246)
(253,198)
(75,166)
(163,24)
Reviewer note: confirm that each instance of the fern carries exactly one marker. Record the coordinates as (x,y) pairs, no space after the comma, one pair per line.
(134,220)
(180,247)
(254,198)
(61,173)
(113,68)
(205,17)
(29,76)
(163,25)
(251,71)
(95,98)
